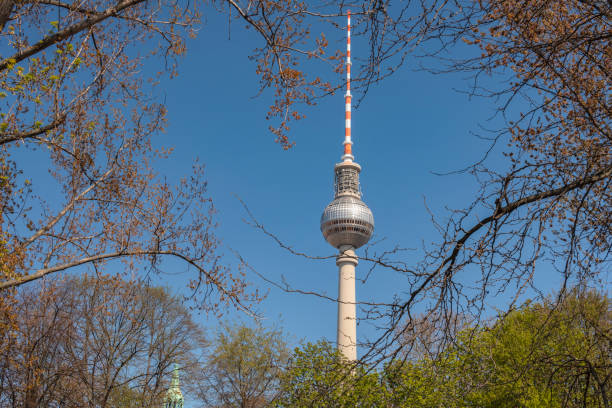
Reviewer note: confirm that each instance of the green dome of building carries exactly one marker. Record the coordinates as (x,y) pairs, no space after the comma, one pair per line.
(174,396)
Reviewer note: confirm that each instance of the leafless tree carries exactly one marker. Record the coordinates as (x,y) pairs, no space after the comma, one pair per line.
(243,367)
(91,342)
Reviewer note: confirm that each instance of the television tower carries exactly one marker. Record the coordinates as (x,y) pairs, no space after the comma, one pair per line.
(347,224)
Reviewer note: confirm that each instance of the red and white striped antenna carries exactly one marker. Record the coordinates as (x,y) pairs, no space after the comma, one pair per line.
(348,143)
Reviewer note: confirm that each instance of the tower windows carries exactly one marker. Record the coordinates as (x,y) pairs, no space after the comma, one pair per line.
(347,181)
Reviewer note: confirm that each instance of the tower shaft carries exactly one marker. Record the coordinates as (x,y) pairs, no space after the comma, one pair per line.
(347,312)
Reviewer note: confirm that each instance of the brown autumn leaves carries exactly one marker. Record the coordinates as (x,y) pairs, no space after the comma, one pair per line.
(74,96)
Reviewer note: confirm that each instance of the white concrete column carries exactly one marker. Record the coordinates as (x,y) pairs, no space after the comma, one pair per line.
(347,316)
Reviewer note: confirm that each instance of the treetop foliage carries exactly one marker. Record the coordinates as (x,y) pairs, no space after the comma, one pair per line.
(543,355)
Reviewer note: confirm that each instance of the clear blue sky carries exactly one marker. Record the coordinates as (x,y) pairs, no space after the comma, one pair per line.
(408,126)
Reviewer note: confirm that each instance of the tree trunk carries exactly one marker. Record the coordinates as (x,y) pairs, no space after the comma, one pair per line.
(6,8)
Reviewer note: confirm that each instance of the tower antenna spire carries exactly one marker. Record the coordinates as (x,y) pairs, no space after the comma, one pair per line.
(348,143)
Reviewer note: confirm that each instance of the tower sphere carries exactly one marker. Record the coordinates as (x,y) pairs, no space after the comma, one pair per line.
(347,221)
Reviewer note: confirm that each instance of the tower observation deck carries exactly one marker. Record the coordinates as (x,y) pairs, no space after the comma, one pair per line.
(347,224)
(347,221)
